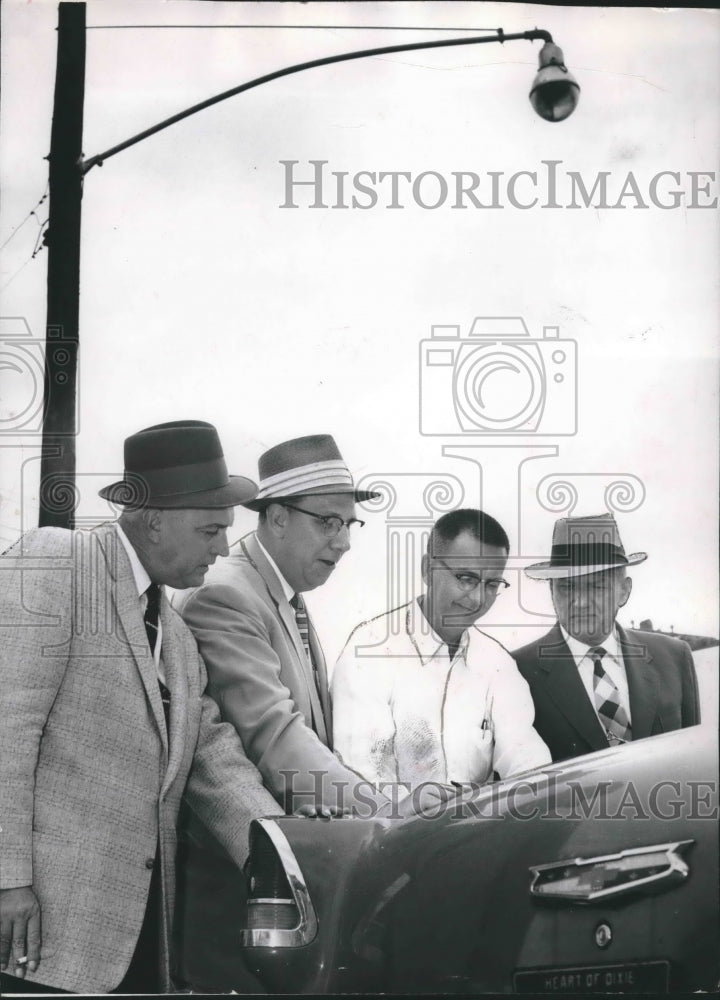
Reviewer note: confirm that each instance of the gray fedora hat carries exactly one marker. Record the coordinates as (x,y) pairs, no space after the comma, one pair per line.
(584,545)
(178,465)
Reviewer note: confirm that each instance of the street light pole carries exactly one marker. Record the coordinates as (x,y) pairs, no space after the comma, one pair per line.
(554,95)
(57,462)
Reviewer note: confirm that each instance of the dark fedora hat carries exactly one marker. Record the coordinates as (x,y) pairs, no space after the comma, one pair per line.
(304,466)
(584,545)
(177,465)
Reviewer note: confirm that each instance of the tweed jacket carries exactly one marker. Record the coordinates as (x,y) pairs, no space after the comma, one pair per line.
(260,677)
(661,682)
(90,786)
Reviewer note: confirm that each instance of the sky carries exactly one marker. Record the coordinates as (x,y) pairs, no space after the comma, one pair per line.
(205,295)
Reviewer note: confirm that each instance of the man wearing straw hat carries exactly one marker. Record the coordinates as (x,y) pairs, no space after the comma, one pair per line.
(105,724)
(267,672)
(594,683)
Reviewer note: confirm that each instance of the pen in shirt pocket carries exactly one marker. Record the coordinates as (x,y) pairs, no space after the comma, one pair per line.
(487,720)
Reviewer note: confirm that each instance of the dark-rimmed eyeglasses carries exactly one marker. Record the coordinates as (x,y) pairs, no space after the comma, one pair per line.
(331,523)
(469,581)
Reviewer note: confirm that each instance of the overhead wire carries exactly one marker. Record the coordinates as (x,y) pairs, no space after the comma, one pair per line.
(30,214)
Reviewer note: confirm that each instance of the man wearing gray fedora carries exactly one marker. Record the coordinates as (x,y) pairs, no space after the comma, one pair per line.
(594,683)
(105,724)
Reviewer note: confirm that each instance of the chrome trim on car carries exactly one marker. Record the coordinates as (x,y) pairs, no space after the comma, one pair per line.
(585,880)
(293,937)
(361,947)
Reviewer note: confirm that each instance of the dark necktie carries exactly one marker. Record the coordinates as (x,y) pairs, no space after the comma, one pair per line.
(151,618)
(152,614)
(607,701)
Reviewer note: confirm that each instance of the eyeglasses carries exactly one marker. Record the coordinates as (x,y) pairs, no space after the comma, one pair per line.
(469,581)
(331,523)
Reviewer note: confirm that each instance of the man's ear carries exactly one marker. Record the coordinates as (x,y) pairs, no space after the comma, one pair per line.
(625,592)
(152,520)
(276,517)
(425,569)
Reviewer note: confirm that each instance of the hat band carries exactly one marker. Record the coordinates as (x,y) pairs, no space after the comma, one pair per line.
(195,477)
(295,482)
(587,554)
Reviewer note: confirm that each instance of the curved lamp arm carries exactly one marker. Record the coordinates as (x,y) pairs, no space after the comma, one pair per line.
(499,36)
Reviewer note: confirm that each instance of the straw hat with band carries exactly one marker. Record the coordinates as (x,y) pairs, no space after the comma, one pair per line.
(304,466)
(584,545)
(178,465)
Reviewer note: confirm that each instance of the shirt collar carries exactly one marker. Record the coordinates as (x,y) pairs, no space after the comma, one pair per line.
(140,574)
(580,650)
(427,642)
(287,589)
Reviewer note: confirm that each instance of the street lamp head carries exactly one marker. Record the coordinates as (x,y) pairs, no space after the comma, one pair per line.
(555,92)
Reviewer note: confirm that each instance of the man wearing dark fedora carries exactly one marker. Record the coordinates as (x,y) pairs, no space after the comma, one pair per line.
(105,724)
(594,683)
(267,672)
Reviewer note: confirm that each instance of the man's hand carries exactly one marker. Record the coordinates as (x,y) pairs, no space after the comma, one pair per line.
(19,930)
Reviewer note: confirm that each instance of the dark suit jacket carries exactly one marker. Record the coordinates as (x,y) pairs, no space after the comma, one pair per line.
(661,682)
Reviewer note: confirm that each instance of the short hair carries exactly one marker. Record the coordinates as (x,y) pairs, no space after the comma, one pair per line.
(262,511)
(480,525)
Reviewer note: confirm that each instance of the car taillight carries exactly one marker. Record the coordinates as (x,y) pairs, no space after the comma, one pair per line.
(279,910)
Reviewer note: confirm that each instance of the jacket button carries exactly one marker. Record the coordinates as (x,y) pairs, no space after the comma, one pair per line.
(150,863)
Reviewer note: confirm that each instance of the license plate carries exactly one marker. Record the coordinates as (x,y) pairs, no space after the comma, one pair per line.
(630,977)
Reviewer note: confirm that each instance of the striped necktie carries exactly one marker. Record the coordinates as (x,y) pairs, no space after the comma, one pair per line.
(612,715)
(151,618)
(303,624)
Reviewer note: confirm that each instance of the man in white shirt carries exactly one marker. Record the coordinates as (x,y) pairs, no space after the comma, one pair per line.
(594,683)
(420,694)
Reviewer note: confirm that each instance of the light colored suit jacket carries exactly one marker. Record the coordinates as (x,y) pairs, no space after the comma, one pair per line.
(260,677)
(661,683)
(89,783)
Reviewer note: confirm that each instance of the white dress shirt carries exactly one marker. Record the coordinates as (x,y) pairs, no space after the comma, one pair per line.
(142,582)
(287,589)
(404,711)
(612,662)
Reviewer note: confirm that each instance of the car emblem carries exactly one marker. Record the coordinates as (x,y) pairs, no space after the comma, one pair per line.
(603,935)
(637,869)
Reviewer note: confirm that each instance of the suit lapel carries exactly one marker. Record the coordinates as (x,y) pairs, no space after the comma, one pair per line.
(559,673)
(127,606)
(280,604)
(321,667)
(641,682)
(176,678)
(286,614)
